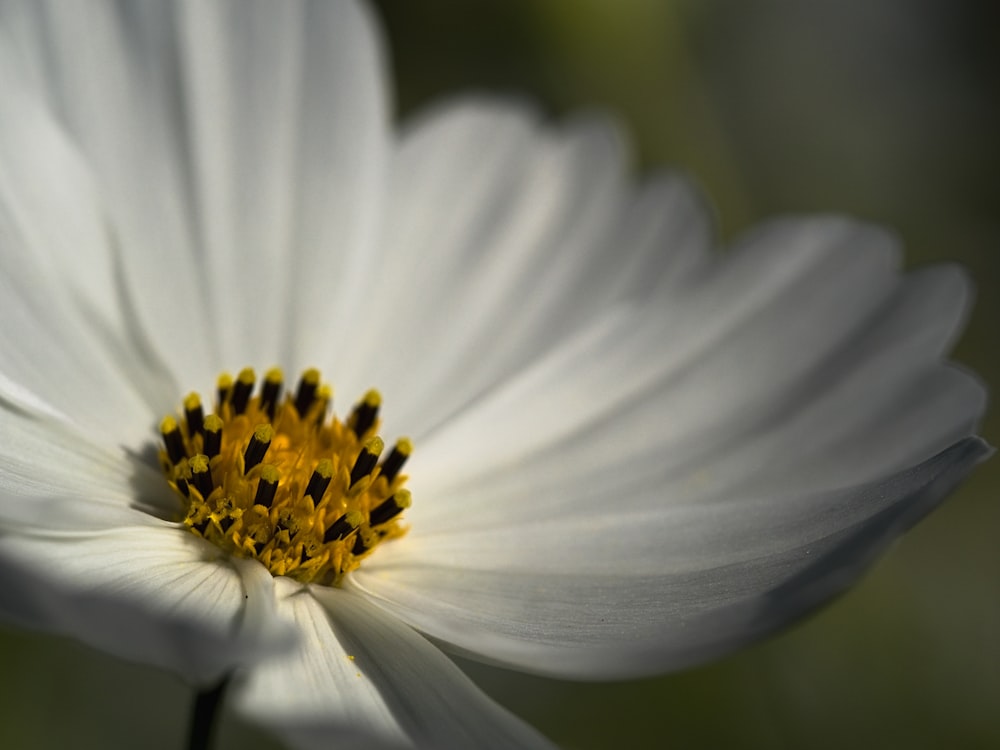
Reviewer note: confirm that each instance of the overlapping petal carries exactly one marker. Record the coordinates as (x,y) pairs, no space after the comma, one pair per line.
(622,593)
(125,583)
(363,674)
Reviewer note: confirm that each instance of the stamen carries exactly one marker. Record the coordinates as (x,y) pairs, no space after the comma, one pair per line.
(320,480)
(366,460)
(365,413)
(194,414)
(213,435)
(306,393)
(343,526)
(267,486)
(223,390)
(397,457)
(172,439)
(391,508)
(201,475)
(271,391)
(273,478)
(242,390)
(324,397)
(258,446)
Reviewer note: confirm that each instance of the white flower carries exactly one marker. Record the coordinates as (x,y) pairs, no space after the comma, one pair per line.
(632,453)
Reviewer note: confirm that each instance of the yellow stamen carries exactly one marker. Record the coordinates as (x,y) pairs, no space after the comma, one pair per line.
(274,479)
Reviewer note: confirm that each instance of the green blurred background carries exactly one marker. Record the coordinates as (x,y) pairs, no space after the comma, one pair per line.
(883,109)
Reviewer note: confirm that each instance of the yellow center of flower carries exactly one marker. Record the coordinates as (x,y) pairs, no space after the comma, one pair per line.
(273,479)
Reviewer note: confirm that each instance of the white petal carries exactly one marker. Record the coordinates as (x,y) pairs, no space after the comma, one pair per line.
(41,458)
(362,679)
(486,207)
(286,115)
(622,594)
(59,298)
(153,594)
(634,393)
(239,148)
(106,76)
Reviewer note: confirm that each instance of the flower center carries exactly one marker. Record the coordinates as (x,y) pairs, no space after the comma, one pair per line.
(273,479)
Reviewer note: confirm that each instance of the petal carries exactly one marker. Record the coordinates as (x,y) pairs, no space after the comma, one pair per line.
(239,148)
(151,593)
(617,594)
(636,397)
(361,678)
(482,193)
(58,289)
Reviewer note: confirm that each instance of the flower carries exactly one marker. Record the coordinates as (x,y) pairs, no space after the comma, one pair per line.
(632,453)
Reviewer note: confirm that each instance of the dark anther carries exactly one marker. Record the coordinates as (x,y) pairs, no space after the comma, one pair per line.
(320,480)
(267,486)
(271,391)
(364,414)
(366,460)
(397,457)
(258,446)
(390,508)
(194,414)
(213,435)
(343,526)
(306,393)
(182,486)
(242,390)
(360,545)
(172,440)
(201,475)
(223,390)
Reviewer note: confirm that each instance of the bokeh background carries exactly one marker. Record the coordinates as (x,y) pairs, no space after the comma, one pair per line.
(885,110)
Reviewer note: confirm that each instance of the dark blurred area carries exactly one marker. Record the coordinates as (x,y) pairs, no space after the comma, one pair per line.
(887,110)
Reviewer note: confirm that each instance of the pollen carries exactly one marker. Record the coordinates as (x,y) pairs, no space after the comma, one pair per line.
(273,478)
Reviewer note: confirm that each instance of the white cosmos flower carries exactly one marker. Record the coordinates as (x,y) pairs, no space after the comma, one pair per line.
(633,452)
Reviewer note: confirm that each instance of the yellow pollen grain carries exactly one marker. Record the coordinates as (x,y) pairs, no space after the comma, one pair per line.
(403,499)
(293,457)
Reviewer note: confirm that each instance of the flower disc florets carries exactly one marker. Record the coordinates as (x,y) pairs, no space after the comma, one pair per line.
(273,479)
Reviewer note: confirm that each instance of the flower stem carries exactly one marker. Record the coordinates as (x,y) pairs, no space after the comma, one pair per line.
(206,704)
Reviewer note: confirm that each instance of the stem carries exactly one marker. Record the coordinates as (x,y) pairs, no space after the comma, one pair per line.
(206,704)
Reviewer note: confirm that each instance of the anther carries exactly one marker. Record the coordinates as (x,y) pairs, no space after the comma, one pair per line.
(343,526)
(258,446)
(172,439)
(397,457)
(365,412)
(223,389)
(201,475)
(320,480)
(271,391)
(366,460)
(267,486)
(213,435)
(306,393)
(194,414)
(181,474)
(242,389)
(391,508)
(324,396)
